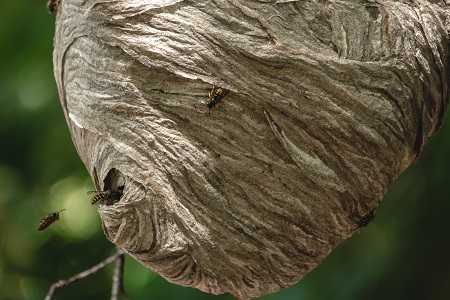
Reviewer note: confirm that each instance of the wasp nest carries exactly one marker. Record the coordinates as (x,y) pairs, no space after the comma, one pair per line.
(251,137)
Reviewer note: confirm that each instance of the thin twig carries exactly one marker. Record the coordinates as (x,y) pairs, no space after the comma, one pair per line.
(117,284)
(63,283)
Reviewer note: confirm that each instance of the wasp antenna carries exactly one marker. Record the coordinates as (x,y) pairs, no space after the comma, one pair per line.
(61,210)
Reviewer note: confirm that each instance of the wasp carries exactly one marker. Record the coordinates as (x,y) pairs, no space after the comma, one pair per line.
(216,94)
(108,197)
(364,221)
(52,6)
(49,220)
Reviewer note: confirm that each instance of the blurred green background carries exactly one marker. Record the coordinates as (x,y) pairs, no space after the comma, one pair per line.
(402,254)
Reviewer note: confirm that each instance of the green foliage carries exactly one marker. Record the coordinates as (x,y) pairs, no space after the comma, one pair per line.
(402,254)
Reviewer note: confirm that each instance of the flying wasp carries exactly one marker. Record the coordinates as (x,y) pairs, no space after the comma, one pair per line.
(108,197)
(216,94)
(364,221)
(49,220)
(52,6)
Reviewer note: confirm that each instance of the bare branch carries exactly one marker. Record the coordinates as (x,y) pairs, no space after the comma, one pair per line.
(117,284)
(63,283)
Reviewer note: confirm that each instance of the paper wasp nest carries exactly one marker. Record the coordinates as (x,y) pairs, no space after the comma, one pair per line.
(328,102)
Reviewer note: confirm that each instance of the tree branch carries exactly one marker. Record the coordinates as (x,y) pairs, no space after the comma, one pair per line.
(63,283)
(117,284)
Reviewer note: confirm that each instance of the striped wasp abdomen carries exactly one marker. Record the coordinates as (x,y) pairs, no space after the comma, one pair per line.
(49,220)
(108,197)
(216,94)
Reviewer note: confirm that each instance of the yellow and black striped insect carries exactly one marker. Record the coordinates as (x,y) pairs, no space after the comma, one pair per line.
(108,197)
(52,6)
(216,94)
(364,221)
(49,220)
